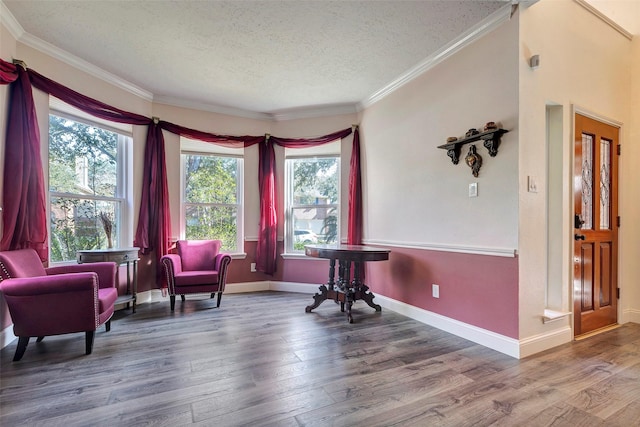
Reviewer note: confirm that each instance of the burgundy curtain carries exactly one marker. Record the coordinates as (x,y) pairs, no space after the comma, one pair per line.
(24,211)
(84,103)
(266,251)
(8,72)
(354,236)
(267,238)
(225,140)
(154,222)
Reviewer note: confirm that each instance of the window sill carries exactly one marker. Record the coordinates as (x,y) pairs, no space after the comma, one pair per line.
(552,315)
(298,255)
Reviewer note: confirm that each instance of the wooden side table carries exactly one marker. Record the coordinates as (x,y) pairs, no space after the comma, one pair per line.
(120,256)
(343,290)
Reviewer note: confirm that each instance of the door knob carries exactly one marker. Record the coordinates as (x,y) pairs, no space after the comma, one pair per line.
(578,236)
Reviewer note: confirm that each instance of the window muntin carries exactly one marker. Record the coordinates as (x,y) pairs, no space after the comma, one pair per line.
(86,181)
(212,198)
(313,195)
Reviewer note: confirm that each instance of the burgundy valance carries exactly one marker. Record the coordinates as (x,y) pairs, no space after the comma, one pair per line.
(8,72)
(84,103)
(226,140)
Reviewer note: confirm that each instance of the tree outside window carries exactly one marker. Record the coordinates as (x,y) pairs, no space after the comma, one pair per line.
(313,194)
(84,186)
(212,198)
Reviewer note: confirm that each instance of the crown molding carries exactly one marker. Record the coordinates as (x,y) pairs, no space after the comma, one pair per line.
(212,108)
(9,21)
(604,18)
(312,112)
(82,65)
(472,34)
(282,115)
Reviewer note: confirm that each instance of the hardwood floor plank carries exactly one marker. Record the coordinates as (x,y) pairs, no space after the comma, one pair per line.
(610,395)
(270,411)
(626,416)
(261,360)
(564,415)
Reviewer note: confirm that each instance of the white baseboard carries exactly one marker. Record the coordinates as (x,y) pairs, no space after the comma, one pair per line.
(509,346)
(301,288)
(630,315)
(6,336)
(238,288)
(501,343)
(541,342)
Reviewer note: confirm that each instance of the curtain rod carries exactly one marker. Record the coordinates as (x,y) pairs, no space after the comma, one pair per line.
(20,63)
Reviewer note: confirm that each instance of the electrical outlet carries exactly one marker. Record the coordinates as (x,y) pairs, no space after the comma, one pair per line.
(532,185)
(253,267)
(473,189)
(435,290)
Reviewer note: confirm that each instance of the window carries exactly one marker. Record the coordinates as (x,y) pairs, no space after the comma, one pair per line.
(212,198)
(312,194)
(87,197)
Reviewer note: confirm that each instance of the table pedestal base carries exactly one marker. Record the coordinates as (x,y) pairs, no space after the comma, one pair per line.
(344,292)
(344,298)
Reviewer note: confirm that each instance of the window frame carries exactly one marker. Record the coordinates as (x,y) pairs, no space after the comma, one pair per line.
(122,199)
(184,152)
(289,236)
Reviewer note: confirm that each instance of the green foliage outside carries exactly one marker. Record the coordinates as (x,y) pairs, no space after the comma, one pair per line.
(211,205)
(315,185)
(82,173)
(314,178)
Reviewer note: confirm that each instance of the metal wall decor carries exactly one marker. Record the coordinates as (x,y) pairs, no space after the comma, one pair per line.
(474,161)
(491,141)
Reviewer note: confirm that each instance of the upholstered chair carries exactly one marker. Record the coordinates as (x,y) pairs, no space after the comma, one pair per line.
(197,267)
(56,300)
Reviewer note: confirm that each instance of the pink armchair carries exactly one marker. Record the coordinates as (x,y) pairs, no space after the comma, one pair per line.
(198,267)
(57,300)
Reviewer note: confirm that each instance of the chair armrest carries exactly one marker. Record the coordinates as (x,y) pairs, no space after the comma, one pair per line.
(106,271)
(173,263)
(48,285)
(222,262)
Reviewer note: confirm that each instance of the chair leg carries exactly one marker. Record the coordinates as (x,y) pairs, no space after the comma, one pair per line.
(183,297)
(172,300)
(39,339)
(88,341)
(22,346)
(107,325)
(219,298)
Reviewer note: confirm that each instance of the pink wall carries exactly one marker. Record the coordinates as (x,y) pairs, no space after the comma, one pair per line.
(479,290)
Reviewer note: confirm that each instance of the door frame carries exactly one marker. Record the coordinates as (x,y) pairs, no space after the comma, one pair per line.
(576,109)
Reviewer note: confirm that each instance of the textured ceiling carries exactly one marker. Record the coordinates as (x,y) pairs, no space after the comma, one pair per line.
(261,57)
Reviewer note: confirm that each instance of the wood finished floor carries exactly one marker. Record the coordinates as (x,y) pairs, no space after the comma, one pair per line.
(260,360)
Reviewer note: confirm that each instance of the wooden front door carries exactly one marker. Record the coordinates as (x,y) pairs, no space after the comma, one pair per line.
(595,282)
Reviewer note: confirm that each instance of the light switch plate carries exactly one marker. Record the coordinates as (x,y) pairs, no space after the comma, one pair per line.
(473,189)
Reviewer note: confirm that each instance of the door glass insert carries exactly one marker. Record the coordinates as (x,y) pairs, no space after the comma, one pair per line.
(605,184)
(587,181)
